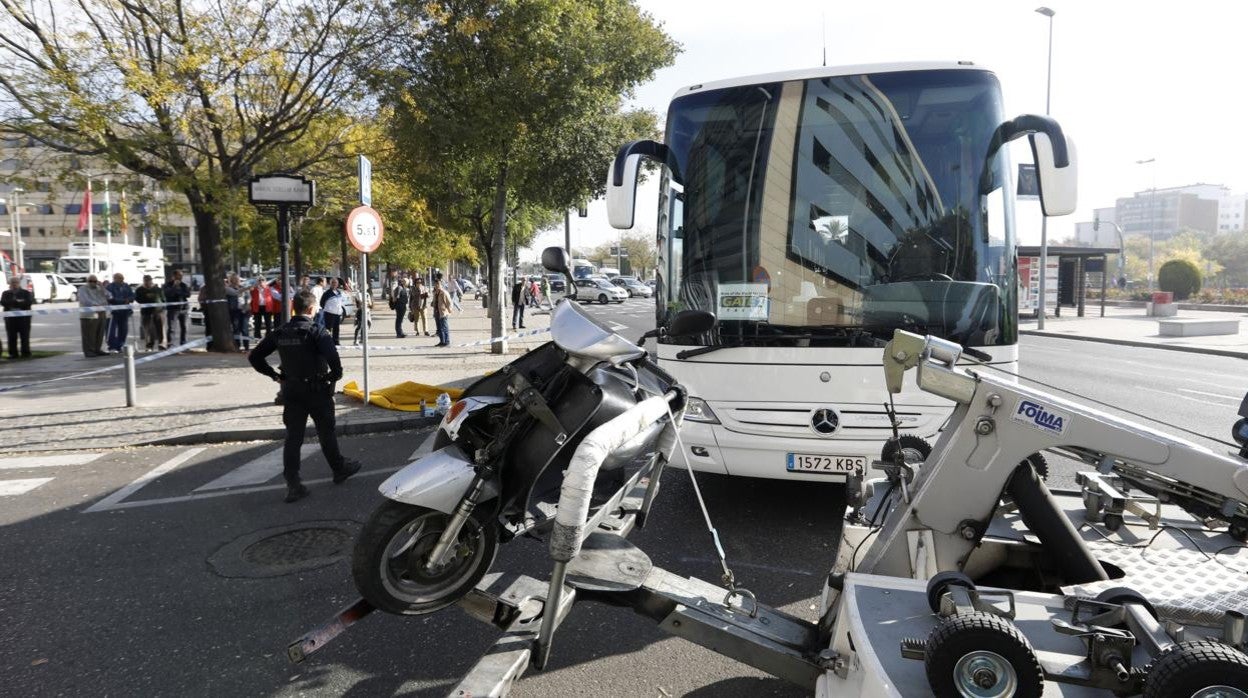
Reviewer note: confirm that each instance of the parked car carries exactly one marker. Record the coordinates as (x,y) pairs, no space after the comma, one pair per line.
(557,283)
(601,290)
(633,286)
(48,288)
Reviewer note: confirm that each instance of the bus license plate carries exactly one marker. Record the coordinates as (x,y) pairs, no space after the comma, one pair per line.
(826,465)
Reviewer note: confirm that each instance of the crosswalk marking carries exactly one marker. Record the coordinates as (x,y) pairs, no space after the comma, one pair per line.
(52,461)
(12,487)
(256,472)
(112,500)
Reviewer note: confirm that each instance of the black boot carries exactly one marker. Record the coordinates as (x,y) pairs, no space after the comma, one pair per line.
(348,468)
(295,492)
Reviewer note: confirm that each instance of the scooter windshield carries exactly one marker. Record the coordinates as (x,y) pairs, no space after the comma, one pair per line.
(577,333)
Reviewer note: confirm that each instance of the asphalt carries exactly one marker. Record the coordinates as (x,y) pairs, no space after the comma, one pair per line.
(199,397)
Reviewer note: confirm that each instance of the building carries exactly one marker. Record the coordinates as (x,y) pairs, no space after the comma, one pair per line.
(1233,213)
(49,203)
(1164,213)
(1089,234)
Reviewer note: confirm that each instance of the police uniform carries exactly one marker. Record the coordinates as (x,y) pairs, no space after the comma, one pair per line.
(310,367)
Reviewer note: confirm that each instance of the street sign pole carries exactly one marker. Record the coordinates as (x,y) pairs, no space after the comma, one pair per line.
(365,176)
(283,242)
(364,298)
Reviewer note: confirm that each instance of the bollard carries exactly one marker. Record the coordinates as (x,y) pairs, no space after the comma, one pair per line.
(130,383)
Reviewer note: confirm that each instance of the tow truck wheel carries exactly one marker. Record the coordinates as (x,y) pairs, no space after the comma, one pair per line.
(388,563)
(1041,465)
(940,583)
(914,449)
(1239,532)
(1200,669)
(981,655)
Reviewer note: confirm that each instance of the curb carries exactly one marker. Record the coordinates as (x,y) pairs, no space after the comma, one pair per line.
(1132,343)
(368,426)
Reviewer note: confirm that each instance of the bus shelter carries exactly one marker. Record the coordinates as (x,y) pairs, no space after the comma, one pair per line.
(1070,273)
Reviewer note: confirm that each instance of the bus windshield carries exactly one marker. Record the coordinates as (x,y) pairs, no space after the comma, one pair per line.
(830,211)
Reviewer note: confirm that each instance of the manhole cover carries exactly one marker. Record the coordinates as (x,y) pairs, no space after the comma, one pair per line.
(273,552)
(294,547)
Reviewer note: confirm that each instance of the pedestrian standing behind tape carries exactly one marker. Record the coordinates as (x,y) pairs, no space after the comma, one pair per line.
(309,368)
(399,301)
(441,311)
(153,318)
(333,307)
(178,296)
(239,305)
(92,324)
(17,328)
(119,293)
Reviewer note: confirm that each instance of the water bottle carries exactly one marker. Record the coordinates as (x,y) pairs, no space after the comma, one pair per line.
(444,403)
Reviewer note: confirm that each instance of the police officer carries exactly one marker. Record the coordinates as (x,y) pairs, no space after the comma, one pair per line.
(310,367)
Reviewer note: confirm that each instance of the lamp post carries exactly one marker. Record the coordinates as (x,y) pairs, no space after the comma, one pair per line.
(1152,219)
(17,229)
(1044,220)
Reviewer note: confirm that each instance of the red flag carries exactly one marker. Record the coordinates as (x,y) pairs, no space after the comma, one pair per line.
(84,214)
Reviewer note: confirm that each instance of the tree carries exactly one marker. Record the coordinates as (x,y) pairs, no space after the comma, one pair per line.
(510,111)
(197,96)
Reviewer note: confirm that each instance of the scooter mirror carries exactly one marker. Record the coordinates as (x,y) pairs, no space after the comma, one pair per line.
(690,322)
(556,259)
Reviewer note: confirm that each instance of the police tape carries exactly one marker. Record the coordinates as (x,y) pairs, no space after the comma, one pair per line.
(150,357)
(374,347)
(90,309)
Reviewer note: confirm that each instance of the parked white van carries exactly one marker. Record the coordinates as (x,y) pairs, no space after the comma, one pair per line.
(48,288)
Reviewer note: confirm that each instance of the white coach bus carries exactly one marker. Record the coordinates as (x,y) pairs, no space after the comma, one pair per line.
(814,212)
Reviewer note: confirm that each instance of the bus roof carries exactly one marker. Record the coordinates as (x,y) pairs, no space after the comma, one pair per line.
(826,71)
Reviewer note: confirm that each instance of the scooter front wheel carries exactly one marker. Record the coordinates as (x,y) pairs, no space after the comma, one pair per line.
(390,554)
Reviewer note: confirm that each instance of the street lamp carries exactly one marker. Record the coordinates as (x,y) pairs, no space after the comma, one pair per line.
(1152,219)
(1044,220)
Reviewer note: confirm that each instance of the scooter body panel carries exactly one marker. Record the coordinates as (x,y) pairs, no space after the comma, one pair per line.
(438,481)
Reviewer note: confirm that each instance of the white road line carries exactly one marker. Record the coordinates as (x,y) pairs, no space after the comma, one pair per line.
(9,488)
(1171,393)
(224,493)
(112,500)
(22,462)
(1201,392)
(256,472)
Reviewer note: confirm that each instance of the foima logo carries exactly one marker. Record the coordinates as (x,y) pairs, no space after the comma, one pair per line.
(1043,418)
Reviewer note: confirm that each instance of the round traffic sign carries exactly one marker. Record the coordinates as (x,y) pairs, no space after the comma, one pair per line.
(364,229)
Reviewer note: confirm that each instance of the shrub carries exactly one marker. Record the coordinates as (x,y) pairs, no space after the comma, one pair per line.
(1179,276)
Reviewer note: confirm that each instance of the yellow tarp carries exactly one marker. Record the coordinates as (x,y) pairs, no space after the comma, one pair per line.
(405,396)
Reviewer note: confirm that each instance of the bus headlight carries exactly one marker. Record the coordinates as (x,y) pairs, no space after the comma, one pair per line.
(696,410)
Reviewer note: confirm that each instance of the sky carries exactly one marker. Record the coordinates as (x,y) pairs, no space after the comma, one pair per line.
(1131,81)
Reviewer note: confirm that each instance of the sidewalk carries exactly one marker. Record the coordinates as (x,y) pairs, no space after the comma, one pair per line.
(1131,327)
(205,397)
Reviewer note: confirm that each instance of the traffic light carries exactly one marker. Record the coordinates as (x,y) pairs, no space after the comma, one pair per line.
(1096,221)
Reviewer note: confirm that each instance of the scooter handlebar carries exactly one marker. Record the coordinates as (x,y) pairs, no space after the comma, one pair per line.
(578,482)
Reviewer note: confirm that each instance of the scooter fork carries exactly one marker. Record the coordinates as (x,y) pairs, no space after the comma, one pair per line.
(437,556)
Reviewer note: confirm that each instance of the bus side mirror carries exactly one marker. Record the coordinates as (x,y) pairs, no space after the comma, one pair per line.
(1058,185)
(691,322)
(622,196)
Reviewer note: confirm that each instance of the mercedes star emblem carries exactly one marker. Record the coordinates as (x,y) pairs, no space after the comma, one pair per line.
(825,421)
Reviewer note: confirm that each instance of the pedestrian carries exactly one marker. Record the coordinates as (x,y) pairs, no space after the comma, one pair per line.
(333,305)
(238,303)
(398,302)
(546,290)
(275,292)
(178,296)
(420,302)
(535,294)
(362,297)
(92,324)
(441,311)
(119,293)
(152,319)
(456,293)
(309,369)
(318,290)
(263,307)
(519,297)
(17,328)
